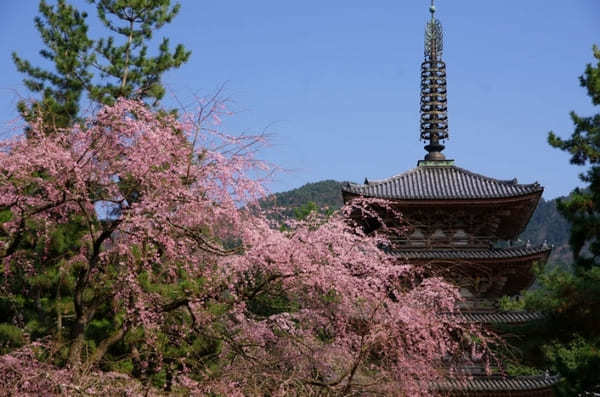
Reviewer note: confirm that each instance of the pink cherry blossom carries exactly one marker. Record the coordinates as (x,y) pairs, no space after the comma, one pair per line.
(168,200)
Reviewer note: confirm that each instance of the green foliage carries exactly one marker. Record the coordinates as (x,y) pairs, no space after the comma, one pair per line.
(105,68)
(120,63)
(99,329)
(578,363)
(64,32)
(135,74)
(124,366)
(570,341)
(11,337)
(582,208)
(570,300)
(302,212)
(265,301)
(273,302)
(513,369)
(511,304)
(36,302)
(324,196)
(5,216)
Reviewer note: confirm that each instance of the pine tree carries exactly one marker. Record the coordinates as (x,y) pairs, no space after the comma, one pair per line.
(105,68)
(571,300)
(64,32)
(99,70)
(582,209)
(131,72)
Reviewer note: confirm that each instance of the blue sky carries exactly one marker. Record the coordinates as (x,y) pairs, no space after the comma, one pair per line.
(337,82)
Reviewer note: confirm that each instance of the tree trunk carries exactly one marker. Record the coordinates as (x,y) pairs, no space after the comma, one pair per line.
(102,348)
(77,344)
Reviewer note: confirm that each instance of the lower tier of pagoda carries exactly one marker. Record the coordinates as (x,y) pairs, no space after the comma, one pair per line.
(482,274)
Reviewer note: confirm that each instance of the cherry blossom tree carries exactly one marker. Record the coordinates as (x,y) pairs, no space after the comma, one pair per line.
(181,282)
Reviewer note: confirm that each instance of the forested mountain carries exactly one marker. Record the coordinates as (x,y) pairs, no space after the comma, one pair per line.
(546,224)
(324,193)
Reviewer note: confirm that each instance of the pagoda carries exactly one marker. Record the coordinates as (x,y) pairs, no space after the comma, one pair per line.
(460,224)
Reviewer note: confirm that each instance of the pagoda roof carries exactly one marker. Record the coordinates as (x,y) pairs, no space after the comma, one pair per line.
(498,383)
(500,317)
(470,253)
(441,182)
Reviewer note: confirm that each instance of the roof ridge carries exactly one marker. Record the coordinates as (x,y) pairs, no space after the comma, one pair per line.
(512,182)
(445,182)
(441,182)
(390,178)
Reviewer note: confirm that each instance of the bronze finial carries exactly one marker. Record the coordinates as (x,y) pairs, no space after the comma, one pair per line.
(434,108)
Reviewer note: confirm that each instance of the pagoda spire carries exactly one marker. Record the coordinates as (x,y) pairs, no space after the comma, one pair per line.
(434,105)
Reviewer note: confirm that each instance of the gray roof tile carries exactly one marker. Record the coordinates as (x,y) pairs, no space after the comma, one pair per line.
(469,253)
(499,317)
(447,182)
(497,383)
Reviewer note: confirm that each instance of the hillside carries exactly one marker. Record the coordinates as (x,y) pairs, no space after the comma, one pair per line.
(546,224)
(325,194)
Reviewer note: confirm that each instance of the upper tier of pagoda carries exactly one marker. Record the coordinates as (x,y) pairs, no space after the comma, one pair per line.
(441,182)
(441,200)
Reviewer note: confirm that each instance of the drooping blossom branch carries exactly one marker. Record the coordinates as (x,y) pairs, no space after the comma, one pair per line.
(192,282)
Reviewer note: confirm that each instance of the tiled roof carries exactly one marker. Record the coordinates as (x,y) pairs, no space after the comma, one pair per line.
(470,253)
(513,317)
(498,383)
(447,182)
